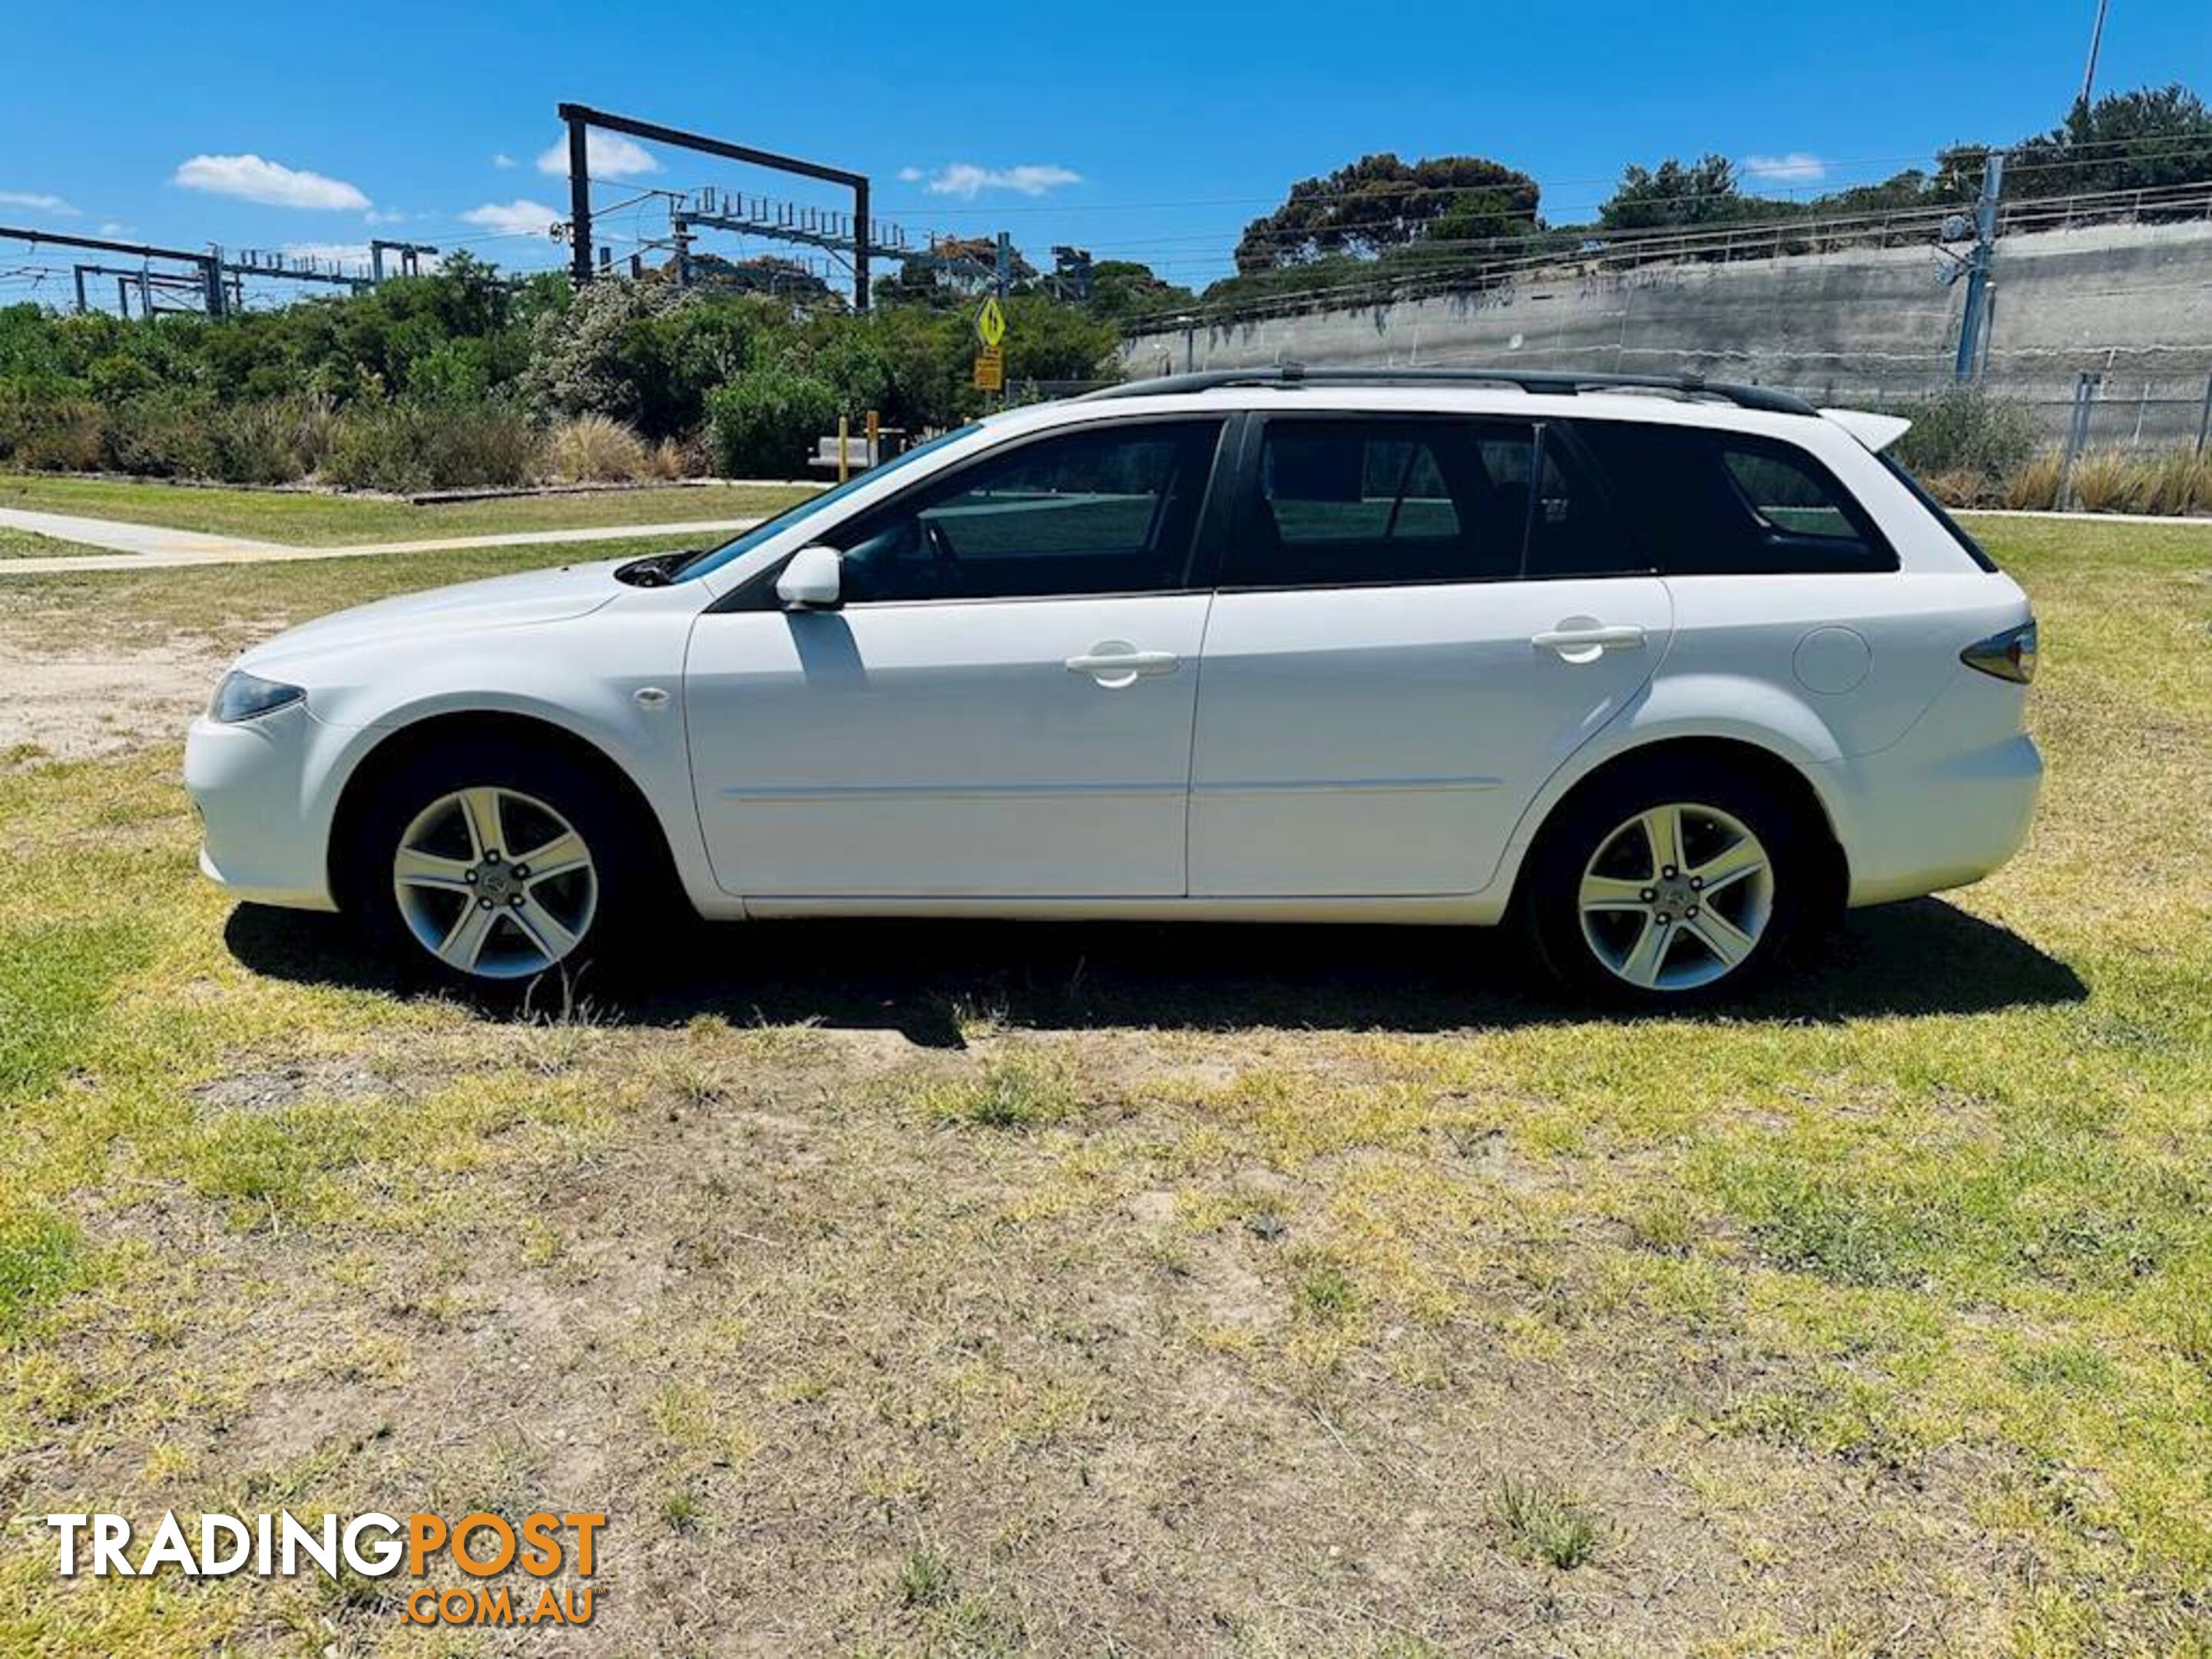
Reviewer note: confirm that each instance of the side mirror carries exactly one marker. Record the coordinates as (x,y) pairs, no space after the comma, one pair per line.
(810,580)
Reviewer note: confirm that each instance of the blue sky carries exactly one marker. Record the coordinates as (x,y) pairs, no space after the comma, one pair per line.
(1141,130)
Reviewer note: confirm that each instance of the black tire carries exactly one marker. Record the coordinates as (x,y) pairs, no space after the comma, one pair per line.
(629,885)
(1797,881)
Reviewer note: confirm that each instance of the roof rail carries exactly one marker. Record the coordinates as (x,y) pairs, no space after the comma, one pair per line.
(1553,382)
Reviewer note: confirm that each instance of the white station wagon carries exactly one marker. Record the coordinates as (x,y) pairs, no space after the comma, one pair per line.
(1665,672)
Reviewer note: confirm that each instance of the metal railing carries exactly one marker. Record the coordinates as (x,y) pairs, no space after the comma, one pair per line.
(1476,264)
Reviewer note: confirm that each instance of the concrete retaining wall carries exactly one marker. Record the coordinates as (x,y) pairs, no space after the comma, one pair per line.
(1865,325)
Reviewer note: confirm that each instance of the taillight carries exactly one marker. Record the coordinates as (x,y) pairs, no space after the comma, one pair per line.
(2009,655)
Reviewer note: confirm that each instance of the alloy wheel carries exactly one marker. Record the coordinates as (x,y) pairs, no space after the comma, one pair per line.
(494,882)
(1676,897)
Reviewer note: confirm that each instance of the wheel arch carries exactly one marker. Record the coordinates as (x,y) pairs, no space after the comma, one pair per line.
(402,744)
(1776,771)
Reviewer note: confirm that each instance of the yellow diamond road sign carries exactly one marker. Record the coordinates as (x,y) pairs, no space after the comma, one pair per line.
(991,322)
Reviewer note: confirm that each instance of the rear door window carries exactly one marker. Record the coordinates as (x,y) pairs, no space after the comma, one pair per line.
(1576,530)
(1707,502)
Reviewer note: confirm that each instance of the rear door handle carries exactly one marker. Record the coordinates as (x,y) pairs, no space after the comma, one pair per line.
(1114,664)
(1587,643)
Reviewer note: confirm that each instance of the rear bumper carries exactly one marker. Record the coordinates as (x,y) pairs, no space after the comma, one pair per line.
(248,784)
(1914,821)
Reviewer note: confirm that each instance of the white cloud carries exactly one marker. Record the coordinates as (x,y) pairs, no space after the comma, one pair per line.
(503,161)
(39,199)
(1795,168)
(113,228)
(374,218)
(966,181)
(331,253)
(610,155)
(910,175)
(252,179)
(521,217)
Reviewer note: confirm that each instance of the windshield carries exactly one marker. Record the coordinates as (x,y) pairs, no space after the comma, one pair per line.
(731,551)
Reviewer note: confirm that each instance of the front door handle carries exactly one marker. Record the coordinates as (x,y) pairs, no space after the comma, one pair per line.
(1576,641)
(1116,663)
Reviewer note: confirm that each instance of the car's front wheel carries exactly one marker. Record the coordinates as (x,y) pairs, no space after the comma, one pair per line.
(1671,885)
(490,869)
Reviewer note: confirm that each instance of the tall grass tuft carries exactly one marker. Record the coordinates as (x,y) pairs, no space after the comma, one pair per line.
(671,460)
(2180,481)
(2038,484)
(597,449)
(2110,480)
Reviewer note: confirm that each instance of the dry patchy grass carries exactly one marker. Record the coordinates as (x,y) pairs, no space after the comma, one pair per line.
(982,1290)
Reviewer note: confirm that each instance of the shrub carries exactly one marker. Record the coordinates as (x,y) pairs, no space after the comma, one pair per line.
(275,441)
(765,425)
(170,434)
(593,449)
(52,434)
(406,446)
(1968,429)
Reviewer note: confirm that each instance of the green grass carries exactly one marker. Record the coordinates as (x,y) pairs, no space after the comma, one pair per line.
(28,545)
(303,518)
(1205,1294)
(41,1257)
(1543,1522)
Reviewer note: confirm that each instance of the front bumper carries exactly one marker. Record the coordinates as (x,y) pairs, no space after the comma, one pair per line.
(261,839)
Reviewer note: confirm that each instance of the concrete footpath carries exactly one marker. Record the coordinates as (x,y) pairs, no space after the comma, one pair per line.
(155,547)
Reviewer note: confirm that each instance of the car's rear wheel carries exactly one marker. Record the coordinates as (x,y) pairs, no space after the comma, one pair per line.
(1667,886)
(492,870)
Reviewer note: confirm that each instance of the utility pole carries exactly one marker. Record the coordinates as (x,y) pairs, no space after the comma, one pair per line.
(2096,41)
(218,297)
(1005,266)
(1973,324)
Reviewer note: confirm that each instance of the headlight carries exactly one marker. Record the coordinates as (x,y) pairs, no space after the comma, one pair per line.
(243,696)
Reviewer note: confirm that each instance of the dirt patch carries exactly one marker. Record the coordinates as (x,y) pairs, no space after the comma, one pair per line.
(270,1088)
(76,707)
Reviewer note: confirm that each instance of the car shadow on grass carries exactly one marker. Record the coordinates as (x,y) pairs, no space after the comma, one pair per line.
(924,979)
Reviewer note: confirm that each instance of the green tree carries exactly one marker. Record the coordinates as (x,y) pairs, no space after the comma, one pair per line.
(1380,201)
(2139,139)
(1121,289)
(1675,195)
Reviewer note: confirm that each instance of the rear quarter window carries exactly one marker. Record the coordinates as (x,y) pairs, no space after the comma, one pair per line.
(1716,503)
(1952,527)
